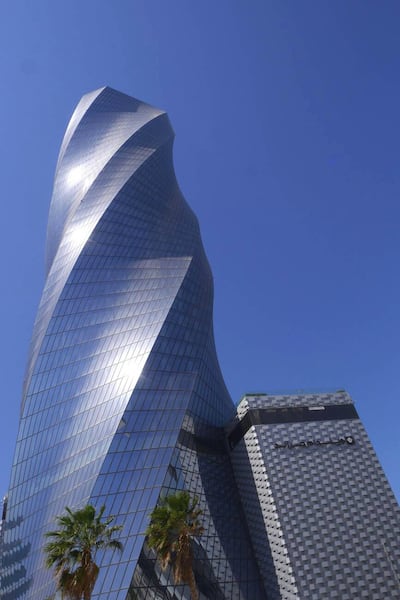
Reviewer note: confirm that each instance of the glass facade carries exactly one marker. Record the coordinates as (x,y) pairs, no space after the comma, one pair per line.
(123,395)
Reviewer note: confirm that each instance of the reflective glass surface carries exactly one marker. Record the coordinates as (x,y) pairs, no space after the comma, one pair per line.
(123,396)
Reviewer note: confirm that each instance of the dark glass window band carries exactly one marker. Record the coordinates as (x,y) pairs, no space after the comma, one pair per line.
(292,414)
(202,445)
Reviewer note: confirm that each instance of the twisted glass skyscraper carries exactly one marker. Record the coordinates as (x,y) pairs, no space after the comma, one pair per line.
(123,396)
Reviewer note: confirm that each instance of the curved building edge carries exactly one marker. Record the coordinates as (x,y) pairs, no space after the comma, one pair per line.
(124,399)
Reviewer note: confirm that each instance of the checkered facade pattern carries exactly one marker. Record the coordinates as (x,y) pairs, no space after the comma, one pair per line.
(324,521)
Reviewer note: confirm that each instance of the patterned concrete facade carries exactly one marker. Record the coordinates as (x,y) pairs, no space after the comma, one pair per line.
(324,521)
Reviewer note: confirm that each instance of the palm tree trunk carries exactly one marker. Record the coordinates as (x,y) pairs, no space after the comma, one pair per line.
(192,585)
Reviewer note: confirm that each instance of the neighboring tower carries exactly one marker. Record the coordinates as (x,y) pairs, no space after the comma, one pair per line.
(323,519)
(123,395)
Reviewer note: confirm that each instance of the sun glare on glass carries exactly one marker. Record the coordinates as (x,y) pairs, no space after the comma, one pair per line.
(75,175)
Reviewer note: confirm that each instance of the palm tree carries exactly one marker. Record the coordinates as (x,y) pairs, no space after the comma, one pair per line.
(174,523)
(72,549)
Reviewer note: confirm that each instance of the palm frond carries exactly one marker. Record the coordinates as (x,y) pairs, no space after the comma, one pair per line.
(72,548)
(174,523)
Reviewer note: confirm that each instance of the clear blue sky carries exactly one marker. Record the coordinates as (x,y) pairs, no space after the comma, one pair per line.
(287,126)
